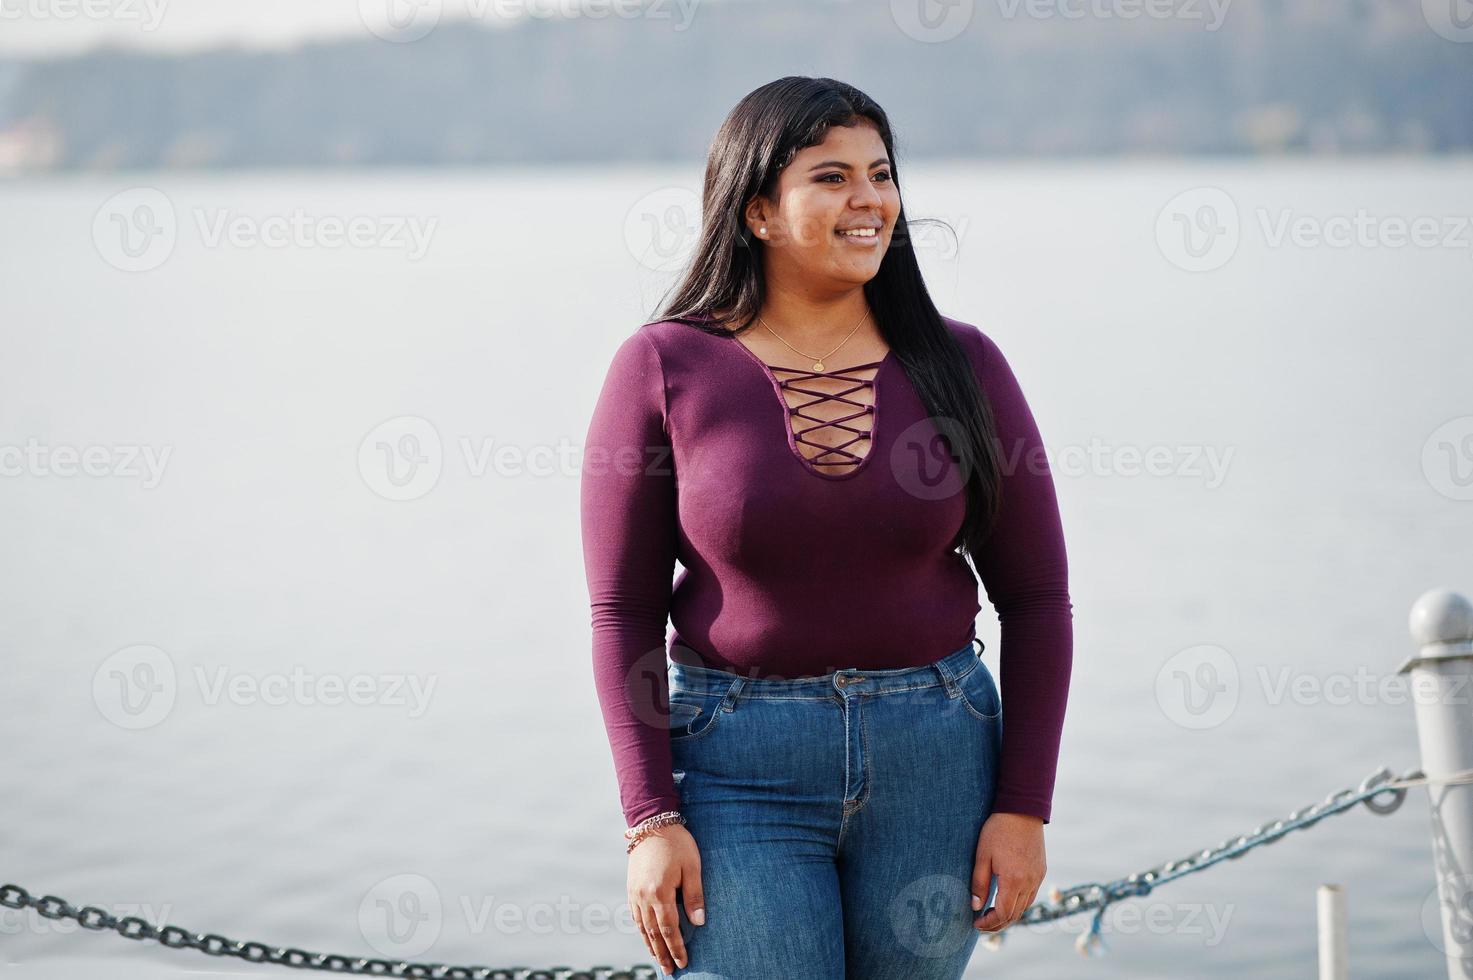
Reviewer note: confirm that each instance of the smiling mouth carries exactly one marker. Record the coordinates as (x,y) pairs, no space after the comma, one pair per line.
(860,236)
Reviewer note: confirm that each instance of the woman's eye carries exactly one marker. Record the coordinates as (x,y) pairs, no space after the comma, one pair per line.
(883,173)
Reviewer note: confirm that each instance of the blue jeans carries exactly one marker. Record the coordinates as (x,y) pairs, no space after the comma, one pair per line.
(837,818)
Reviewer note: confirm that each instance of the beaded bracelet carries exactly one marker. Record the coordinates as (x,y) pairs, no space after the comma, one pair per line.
(643,829)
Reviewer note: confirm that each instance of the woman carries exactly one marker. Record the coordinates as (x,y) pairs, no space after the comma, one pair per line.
(818,783)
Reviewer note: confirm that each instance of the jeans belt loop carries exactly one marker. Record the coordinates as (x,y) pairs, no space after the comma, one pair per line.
(729,702)
(947,679)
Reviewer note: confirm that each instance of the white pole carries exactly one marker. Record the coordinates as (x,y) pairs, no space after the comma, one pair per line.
(1334,950)
(1441,671)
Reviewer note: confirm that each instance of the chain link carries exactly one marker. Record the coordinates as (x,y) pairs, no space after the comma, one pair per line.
(1063,903)
(132,927)
(1097,896)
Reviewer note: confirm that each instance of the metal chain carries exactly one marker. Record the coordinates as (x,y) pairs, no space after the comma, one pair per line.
(1098,896)
(132,927)
(1061,904)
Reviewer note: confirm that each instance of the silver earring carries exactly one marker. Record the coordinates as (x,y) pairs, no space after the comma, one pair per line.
(762,230)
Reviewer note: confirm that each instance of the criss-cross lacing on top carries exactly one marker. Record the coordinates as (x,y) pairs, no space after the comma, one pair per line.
(863,410)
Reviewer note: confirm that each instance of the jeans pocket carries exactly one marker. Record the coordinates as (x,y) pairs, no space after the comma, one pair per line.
(692,715)
(979,692)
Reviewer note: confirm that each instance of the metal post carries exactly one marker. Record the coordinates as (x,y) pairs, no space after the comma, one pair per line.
(1333,942)
(1441,671)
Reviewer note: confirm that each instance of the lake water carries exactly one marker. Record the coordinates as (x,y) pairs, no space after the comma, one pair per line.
(263,684)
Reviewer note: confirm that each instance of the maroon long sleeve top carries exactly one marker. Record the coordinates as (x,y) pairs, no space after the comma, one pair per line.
(797,561)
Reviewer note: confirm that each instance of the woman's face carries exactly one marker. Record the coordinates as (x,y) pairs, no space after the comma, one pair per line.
(843,183)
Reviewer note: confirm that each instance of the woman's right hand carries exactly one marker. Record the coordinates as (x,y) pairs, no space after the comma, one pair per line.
(668,858)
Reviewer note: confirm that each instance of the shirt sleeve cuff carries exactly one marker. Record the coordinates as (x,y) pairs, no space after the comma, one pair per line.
(1032,806)
(646,810)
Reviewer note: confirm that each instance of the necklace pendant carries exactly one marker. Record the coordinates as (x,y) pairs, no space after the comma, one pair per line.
(818,365)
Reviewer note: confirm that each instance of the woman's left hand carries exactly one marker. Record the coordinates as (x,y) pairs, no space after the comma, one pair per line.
(1011,847)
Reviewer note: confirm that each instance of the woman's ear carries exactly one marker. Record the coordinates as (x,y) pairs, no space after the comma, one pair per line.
(756,216)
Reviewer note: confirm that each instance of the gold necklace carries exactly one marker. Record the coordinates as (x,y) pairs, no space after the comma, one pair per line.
(817,361)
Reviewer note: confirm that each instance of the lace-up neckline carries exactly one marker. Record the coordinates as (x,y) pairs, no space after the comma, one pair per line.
(800,391)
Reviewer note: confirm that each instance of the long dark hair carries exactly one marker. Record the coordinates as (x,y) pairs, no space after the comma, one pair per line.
(724,279)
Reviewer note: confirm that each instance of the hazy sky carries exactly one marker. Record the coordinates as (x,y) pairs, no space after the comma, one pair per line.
(57,26)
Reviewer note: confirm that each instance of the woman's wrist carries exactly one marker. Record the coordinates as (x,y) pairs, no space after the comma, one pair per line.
(649,825)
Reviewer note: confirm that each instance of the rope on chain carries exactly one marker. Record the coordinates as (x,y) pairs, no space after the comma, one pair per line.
(1062,904)
(1097,896)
